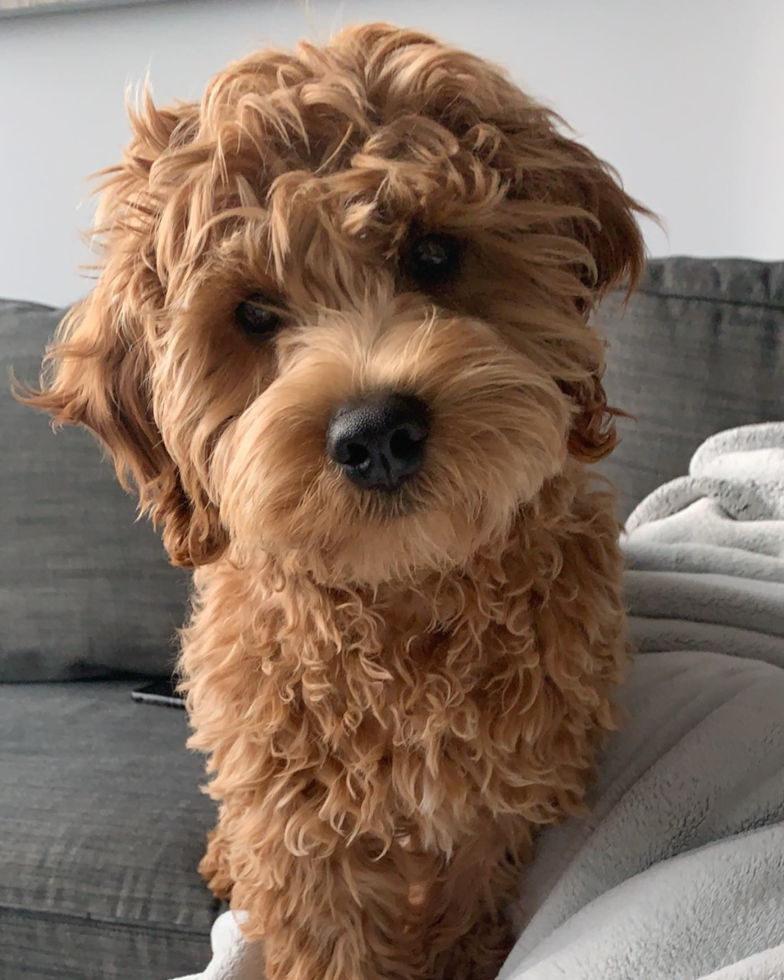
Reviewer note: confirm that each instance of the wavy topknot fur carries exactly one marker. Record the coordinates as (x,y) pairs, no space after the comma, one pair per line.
(393,690)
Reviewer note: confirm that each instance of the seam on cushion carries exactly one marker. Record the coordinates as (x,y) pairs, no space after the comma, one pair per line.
(723,301)
(119,925)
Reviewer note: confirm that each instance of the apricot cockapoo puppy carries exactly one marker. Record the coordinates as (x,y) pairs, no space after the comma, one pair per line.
(340,346)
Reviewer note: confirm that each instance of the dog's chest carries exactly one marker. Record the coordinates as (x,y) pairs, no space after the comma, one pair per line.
(431,715)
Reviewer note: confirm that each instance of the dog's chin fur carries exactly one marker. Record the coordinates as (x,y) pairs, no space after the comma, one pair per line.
(393,689)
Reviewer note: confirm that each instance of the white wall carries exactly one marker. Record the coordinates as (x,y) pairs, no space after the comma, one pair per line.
(685,97)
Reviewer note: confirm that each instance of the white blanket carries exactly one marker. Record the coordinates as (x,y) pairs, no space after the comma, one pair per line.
(678,872)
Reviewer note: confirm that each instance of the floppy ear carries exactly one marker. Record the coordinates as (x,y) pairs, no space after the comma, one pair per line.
(97,373)
(610,234)
(608,228)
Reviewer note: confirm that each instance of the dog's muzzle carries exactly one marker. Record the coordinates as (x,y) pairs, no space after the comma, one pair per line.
(380,442)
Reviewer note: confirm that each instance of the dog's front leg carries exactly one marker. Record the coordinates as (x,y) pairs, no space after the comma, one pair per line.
(469,932)
(343,915)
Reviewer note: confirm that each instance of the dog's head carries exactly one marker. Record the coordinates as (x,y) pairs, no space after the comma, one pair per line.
(343,312)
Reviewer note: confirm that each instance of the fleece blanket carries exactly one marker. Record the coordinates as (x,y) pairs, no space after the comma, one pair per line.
(678,871)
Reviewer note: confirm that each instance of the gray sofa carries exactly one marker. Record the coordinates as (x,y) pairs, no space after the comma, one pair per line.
(101,818)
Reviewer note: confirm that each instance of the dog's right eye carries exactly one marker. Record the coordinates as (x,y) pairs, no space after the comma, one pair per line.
(257,316)
(433,259)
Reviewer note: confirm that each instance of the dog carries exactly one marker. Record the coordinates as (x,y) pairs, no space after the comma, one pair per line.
(342,348)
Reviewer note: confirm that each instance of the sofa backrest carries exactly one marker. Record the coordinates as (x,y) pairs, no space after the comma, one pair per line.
(700,348)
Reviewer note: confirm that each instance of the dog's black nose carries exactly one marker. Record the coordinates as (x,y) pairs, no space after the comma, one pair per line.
(381,441)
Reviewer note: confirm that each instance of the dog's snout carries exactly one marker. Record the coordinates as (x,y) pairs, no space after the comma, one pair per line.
(380,442)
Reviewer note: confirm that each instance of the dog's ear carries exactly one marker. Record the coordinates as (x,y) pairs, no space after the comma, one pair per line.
(97,373)
(609,232)
(608,228)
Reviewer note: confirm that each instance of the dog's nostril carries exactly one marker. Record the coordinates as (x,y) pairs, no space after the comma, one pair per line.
(406,444)
(380,442)
(355,455)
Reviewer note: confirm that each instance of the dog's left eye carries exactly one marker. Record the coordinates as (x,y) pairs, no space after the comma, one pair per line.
(433,259)
(257,317)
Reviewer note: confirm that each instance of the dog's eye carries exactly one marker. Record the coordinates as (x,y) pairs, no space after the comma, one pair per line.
(257,316)
(433,259)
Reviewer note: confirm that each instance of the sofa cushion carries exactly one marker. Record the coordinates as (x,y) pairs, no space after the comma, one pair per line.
(700,348)
(85,589)
(102,826)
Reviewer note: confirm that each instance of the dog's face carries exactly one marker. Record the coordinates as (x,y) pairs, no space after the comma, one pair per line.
(343,310)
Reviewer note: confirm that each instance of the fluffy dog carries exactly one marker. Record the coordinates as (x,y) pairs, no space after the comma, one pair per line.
(340,347)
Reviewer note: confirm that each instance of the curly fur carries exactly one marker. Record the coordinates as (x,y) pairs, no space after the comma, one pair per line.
(392,694)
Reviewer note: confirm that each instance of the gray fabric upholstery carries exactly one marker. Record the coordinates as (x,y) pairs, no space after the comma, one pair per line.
(102,826)
(84,589)
(699,349)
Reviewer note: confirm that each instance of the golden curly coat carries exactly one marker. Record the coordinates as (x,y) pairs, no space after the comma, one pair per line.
(393,690)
